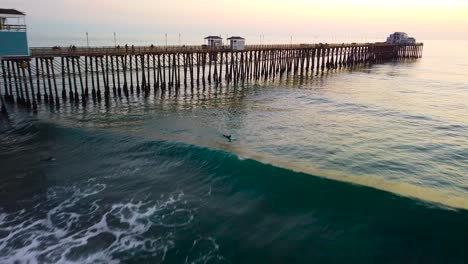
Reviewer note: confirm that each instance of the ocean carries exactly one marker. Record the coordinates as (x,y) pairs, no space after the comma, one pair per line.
(368,165)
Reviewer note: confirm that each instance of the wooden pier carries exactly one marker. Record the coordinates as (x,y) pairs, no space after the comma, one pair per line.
(58,74)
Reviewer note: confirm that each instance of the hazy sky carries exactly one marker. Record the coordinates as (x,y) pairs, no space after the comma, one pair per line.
(276,19)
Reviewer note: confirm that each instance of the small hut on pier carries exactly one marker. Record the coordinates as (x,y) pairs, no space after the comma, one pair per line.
(237,43)
(214,41)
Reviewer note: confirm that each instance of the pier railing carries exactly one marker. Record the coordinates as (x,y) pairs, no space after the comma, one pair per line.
(138,50)
(13,28)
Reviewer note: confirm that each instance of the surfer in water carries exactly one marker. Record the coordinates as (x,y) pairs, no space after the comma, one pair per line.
(228,137)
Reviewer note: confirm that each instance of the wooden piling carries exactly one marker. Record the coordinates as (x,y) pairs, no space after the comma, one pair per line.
(64,90)
(114,88)
(119,91)
(3,109)
(5,80)
(131,73)
(49,81)
(155,81)
(75,84)
(93,86)
(80,78)
(137,77)
(124,70)
(98,84)
(70,86)
(33,95)
(25,82)
(15,82)
(57,101)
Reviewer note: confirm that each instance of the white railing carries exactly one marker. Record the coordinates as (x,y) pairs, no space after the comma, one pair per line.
(139,50)
(13,28)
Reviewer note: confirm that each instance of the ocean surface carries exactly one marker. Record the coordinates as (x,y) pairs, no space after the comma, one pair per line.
(368,165)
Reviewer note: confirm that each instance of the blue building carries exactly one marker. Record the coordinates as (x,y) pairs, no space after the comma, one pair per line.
(13,35)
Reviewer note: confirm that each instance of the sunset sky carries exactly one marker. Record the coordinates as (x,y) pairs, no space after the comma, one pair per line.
(276,19)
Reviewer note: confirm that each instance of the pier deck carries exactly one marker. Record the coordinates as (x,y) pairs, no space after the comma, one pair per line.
(139,50)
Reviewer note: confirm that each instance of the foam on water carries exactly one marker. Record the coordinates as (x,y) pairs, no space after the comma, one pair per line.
(205,250)
(72,233)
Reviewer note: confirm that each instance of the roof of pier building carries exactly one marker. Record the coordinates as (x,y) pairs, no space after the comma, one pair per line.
(399,33)
(213,37)
(14,12)
(236,38)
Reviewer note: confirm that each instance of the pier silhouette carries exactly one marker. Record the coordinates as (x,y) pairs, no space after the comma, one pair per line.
(81,74)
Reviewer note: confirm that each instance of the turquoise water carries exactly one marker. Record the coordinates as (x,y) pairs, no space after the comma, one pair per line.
(368,165)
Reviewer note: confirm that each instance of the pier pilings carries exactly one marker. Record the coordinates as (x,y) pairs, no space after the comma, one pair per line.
(53,75)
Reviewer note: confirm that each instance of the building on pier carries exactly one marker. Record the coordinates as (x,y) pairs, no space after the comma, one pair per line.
(400,38)
(214,41)
(13,36)
(411,41)
(237,43)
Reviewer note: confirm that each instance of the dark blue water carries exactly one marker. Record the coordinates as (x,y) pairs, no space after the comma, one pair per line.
(368,165)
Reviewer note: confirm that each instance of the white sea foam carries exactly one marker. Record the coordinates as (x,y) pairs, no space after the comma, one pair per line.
(70,232)
(205,250)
